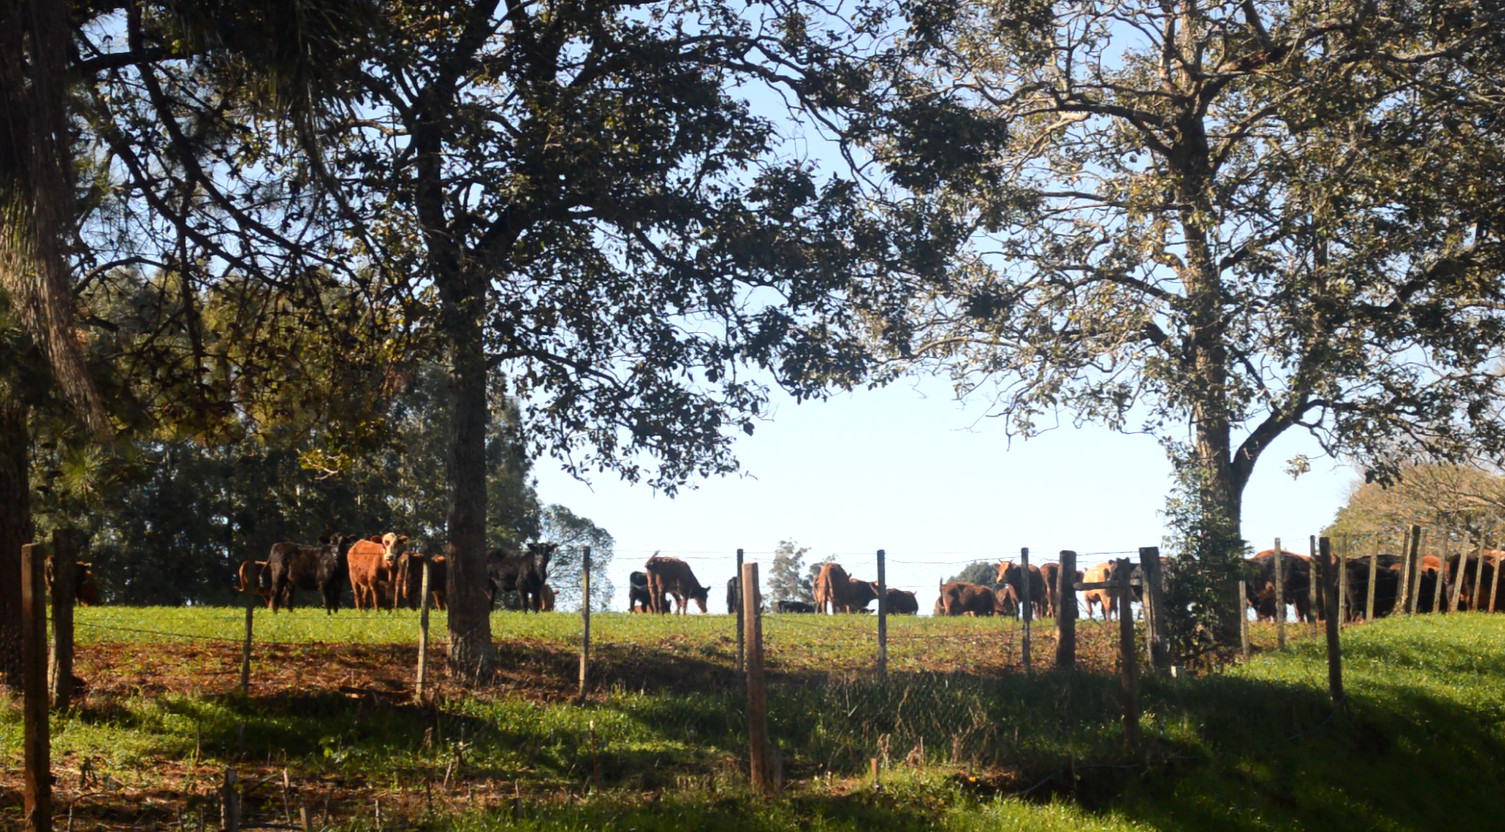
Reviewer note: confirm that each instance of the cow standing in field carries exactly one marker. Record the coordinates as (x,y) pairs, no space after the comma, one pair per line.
(1102,598)
(835,589)
(252,576)
(1012,575)
(85,591)
(638,599)
(296,566)
(901,602)
(672,576)
(409,581)
(546,594)
(1296,573)
(964,598)
(521,572)
(373,564)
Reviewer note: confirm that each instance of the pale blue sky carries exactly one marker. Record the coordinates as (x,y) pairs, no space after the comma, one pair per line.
(909,470)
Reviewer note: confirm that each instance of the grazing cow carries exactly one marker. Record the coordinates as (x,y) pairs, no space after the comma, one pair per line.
(841,591)
(798,606)
(1010,574)
(900,602)
(638,599)
(1102,598)
(1296,579)
(1007,601)
(372,565)
(296,566)
(672,576)
(85,591)
(963,598)
(520,572)
(409,580)
(252,576)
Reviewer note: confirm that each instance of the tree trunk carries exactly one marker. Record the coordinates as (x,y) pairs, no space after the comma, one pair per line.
(472,656)
(15,531)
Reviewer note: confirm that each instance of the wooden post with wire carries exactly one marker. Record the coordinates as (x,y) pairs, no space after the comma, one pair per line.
(1128,661)
(1280,597)
(741,649)
(423,631)
(585,621)
(1406,543)
(36,743)
(1026,606)
(1442,572)
(1153,591)
(1494,585)
(1066,611)
(245,646)
(757,695)
(1419,534)
(882,619)
(1324,567)
(1343,582)
(65,546)
(1374,568)
(1478,580)
(1312,598)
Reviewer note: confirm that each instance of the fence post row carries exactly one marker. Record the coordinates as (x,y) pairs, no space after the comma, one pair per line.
(1280,597)
(882,619)
(1066,612)
(36,744)
(1026,606)
(65,546)
(1128,662)
(757,695)
(585,620)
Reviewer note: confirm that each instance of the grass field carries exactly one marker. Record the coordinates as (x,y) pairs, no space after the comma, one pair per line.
(965,739)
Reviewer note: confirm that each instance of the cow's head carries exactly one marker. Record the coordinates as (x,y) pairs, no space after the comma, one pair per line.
(699,595)
(392,545)
(541,553)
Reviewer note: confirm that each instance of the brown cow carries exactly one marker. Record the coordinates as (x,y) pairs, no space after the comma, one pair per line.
(844,593)
(1010,574)
(372,564)
(85,591)
(1008,601)
(963,598)
(546,593)
(252,576)
(1296,571)
(900,602)
(1101,597)
(672,576)
(409,580)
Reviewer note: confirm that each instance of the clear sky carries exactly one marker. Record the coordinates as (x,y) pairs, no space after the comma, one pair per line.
(909,470)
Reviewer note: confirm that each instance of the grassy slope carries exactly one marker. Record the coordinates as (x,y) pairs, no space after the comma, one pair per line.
(1255,748)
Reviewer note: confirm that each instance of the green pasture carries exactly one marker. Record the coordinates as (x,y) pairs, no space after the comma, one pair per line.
(1258,747)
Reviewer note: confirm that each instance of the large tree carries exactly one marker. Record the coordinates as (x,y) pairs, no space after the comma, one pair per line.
(583,199)
(1213,222)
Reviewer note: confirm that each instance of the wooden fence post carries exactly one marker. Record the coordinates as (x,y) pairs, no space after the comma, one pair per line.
(1416,546)
(1478,580)
(1330,600)
(1154,608)
(1128,661)
(423,631)
(585,621)
(1026,611)
(1343,582)
(1243,620)
(1442,573)
(882,620)
(1455,576)
(1409,543)
(37,746)
(1374,568)
(1494,588)
(1280,597)
(1066,611)
(757,695)
(741,650)
(245,647)
(229,804)
(1312,598)
(65,545)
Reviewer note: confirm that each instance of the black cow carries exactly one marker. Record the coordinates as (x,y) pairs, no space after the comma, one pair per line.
(638,599)
(320,568)
(733,594)
(1295,578)
(520,572)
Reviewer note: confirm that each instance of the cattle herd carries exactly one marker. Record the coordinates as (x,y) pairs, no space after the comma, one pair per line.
(383,574)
